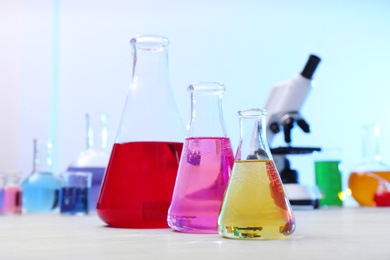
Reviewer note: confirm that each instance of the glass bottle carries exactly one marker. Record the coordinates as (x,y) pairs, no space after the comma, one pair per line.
(138,184)
(255,205)
(328,170)
(2,183)
(94,158)
(41,188)
(205,165)
(361,181)
(12,194)
(75,193)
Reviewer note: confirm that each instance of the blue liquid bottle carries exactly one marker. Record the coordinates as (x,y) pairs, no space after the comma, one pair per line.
(94,158)
(75,193)
(41,188)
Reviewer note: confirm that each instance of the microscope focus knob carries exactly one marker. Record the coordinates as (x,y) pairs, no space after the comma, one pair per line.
(275,128)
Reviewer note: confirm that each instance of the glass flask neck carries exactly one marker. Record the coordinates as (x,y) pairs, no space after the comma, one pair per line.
(206,110)
(370,137)
(12,179)
(150,112)
(96,131)
(42,155)
(253,143)
(150,62)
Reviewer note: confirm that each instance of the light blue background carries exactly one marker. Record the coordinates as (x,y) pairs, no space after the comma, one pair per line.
(61,59)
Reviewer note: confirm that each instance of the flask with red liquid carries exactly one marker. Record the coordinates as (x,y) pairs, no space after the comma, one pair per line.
(205,165)
(138,183)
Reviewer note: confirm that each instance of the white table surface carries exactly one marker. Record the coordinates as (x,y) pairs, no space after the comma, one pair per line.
(333,233)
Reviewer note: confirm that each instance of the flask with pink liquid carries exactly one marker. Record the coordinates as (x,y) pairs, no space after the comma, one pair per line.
(12,194)
(205,163)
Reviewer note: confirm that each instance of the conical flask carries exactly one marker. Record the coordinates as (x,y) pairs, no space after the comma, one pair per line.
(255,205)
(138,183)
(94,158)
(205,165)
(362,180)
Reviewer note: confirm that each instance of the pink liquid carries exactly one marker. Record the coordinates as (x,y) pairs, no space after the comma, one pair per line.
(12,200)
(202,178)
(138,184)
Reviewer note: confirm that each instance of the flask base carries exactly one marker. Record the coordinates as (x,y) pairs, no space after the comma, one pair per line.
(125,219)
(193,224)
(261,233)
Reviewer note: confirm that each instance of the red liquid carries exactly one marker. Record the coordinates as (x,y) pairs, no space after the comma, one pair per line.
(137,188)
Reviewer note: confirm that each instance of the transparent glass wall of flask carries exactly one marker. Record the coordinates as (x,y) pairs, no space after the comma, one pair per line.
(139,180)
(205,165)
(255,205)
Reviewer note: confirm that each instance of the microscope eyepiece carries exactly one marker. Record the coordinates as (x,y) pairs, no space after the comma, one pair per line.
(311,66)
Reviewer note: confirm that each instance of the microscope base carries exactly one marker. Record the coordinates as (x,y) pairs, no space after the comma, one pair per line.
(302,196)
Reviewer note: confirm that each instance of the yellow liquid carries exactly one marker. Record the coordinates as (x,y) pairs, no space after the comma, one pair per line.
(255,205)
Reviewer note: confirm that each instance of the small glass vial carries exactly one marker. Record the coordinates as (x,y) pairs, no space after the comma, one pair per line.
(41,188)
(255,205)
(2,182)
(12,194)
(75,193)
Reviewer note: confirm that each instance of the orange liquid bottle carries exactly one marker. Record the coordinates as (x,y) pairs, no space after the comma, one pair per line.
(363,181)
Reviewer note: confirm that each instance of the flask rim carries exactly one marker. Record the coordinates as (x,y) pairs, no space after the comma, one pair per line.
(207,87)
(251,112)
(149,42)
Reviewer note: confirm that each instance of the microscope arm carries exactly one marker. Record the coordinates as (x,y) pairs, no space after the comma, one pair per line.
(286,100)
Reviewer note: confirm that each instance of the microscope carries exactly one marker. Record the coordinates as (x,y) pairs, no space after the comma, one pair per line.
(284,105)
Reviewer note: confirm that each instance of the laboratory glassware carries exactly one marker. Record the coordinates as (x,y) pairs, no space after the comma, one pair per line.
(361,181)
(94,158)
(328,176)
(2,183)
(255,205)
(75,192)
(12,194)
(205,165)
(138,184)
(41,188)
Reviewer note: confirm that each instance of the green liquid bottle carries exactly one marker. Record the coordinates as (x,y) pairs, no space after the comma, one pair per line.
(328,180)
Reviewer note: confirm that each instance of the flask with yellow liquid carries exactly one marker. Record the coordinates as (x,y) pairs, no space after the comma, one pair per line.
(255,205)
